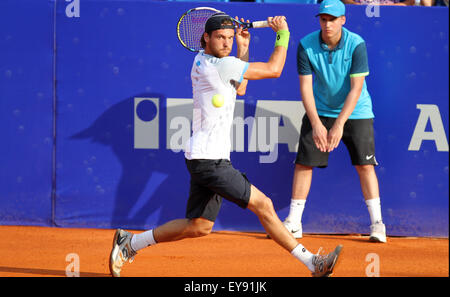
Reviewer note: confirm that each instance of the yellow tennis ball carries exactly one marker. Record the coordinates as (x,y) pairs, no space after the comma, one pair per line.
(218,100)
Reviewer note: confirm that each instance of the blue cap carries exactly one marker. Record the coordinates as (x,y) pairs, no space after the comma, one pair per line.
(332,7)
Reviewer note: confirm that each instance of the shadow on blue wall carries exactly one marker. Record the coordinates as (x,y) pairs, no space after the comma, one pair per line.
(154,184)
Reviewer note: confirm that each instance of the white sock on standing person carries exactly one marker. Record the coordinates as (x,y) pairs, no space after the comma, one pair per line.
(296,211)
(374,208)
(142,240)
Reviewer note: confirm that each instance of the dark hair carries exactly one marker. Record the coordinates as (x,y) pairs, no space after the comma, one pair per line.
(225,21)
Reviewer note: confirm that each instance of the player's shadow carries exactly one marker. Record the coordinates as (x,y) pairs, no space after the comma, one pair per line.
(154,183)
(46,272)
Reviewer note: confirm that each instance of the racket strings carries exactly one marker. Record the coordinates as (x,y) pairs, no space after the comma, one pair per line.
(192,27)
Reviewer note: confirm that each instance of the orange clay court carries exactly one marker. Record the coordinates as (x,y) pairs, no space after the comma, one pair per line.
(220,254)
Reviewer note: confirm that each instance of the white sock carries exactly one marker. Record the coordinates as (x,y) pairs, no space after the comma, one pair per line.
(374,207)
(296,210)
(142,240)
(305,256)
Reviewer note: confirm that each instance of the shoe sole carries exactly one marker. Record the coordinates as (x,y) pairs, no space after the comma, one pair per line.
(116,235)
(338,252)
(377,239)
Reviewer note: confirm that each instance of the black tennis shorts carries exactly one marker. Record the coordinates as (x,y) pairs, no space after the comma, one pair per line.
(358,137)
(210,181)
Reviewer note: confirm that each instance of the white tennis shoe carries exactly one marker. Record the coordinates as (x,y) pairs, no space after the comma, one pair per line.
(377,232)
(121,252)
(295,229)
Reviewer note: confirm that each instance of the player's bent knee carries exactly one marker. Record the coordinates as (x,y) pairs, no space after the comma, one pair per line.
(263,206)
(268,209)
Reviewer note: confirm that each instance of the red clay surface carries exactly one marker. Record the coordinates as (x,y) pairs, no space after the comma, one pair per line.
(44,251)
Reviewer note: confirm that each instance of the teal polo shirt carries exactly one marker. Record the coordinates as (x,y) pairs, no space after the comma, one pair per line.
(332,70)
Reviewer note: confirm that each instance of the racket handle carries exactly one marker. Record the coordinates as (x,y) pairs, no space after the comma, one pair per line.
(260,24)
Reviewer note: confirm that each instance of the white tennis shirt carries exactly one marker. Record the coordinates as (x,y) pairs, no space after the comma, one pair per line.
(211,126)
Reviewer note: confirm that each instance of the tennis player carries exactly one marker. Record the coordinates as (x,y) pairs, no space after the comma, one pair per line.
(338,106)
(208,152)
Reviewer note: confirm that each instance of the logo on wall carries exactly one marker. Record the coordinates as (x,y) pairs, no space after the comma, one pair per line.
(429,113)
(73,9)
(146,123)
(273,123)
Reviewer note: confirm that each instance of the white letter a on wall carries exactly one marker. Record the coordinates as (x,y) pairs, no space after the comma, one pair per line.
(429,112)
(73,9)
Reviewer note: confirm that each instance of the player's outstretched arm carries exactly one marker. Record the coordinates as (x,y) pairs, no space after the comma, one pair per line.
(274,67)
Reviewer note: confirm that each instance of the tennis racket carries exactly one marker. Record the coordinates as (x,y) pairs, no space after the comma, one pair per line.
(191,26)
(256,24)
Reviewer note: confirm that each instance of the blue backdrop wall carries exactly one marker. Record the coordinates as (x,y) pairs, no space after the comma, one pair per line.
(95,105)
